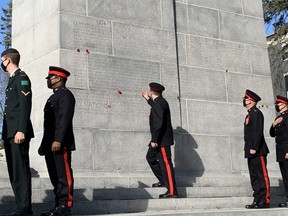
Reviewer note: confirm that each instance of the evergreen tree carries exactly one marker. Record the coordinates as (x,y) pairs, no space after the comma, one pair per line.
(6,25)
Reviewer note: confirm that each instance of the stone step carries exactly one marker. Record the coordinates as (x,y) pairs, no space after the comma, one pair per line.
(150,205)
(39,195)
(221,212)
(98,182)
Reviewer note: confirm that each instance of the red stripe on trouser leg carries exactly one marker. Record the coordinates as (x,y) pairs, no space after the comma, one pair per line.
(266,178)
(69,179)
(168,169)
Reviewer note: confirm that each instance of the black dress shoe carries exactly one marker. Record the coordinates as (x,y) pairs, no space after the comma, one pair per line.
(59,210)
(282,205)
(262,205)
(167,195)
(158,184)
(251,206)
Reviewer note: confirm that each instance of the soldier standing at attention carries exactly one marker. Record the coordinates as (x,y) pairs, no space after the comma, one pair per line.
(58,140)
(279,130)
(256,150)
(17,130)
(159,152)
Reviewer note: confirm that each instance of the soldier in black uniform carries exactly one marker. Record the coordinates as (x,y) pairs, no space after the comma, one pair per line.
(256,151)
(279,130)
(159,152)
(58,140)
(17,130)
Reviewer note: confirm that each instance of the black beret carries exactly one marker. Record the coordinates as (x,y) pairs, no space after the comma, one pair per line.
(8,51)
(281,99)
(252,96)
(53,70)
(156,87)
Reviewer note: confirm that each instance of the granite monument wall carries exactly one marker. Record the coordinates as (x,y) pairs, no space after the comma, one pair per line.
(111,45)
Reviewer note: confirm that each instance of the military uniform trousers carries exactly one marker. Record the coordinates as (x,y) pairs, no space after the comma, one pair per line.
(61,176)
(17,156)
(259,178)
(161,164)
(284,172)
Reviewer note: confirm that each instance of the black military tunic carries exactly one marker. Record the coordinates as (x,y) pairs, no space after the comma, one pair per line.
(161,130)
(17,119)
(280,132)
(58,117)
(254,139)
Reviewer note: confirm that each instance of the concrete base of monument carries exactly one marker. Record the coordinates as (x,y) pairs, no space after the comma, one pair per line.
(122,193)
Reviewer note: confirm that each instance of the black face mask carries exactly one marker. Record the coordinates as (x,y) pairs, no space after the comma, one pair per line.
(244,102)
(49,83)
(277,108)
(4,67)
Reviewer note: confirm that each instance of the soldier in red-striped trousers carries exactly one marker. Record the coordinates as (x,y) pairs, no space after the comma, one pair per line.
(159,152)
(256,150)
(58,140)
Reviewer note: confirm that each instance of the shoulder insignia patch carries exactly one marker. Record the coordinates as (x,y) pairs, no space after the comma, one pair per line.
(25,93)
(24,82)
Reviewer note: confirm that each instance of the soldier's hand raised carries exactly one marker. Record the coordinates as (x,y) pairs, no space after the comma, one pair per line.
(277,121)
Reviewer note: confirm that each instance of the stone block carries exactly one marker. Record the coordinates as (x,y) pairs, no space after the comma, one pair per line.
(78,32)
(242,29)
(73,6)
(139,42)
(193,154)
(217,55)
(238,83)
(91,109)
(203,84)
(168,18)
(260,60)
(82,158)
(234,6)
(215,118)
(203,21)
(120,150)
(112,73)
(253,8)
(77,64)
(33,49)
(27,17)
(140,12)
(128,112)
(169,78)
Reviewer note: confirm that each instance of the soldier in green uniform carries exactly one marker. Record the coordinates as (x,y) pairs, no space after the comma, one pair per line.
(17,130)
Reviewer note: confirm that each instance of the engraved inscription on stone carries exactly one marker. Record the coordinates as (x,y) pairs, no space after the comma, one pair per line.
(111,73)
(146,43)
(95,36)
(215,54)
(76,63)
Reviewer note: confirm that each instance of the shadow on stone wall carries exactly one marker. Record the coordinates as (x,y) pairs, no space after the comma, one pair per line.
(188,164)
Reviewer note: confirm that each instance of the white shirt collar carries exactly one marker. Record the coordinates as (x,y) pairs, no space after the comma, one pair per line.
(13,74)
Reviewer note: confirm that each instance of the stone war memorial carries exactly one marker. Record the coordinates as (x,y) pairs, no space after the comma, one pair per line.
(205,52)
